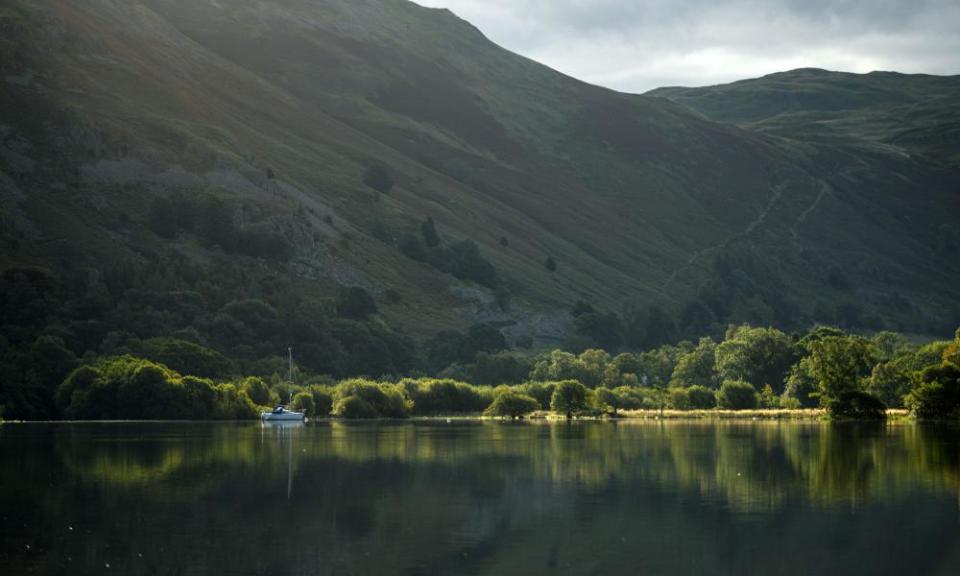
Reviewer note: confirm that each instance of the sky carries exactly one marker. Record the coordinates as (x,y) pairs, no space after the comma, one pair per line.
(638,45)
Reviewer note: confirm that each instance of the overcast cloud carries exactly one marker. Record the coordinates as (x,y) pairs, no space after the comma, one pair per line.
(637,45)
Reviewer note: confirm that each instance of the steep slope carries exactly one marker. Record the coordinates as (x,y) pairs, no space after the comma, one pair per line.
(269,115)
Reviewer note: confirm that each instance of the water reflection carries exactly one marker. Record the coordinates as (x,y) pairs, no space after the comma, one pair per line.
(480,498)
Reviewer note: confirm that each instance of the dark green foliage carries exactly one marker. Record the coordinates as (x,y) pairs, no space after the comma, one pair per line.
(467,263)
(257,390)
(890,382)
(385,400)
(446,348)
(303,402)
(511,404)
(856,405)
(172,215)
(678,398)
(128,387)
(839,363)
(701,398)
(607,401)
(322,400)
(433,397)
(938,394)
(602,329)
(569,398)
(759,356)
(355,303)
(501,368)
(186,357)
(541,391)
(737,395)
(378,177)
(486,338)
(550,264)
(353,407)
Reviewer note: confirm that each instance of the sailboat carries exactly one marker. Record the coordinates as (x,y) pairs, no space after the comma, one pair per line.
(280,413)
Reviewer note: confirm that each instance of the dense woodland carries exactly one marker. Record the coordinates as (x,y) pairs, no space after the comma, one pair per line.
(78,351)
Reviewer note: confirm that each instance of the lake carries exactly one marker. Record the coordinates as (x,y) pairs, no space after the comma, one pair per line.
(467,497)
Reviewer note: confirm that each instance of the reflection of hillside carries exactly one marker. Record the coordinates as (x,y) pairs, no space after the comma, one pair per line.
(750,466)
(430,498)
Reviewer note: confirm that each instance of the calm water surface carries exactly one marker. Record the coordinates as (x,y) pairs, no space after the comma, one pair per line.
(479,498)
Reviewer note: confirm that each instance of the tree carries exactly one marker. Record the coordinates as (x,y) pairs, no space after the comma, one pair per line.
(512,404)
(696,368)
(606,400)
(759,356)
(486,338)
(737,395)
(379,178)
(355,303)
(569,398)
(701,398)
(890,382)
(801,384)
(550,264)
(839,363)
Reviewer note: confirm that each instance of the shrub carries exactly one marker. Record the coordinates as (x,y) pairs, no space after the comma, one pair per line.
(512,404)
(322,401)
(186,357)
(938,395)
(606,400)
(386,400)
(569,398)
(355,303)
(858,405)
(701,398)
(445,397)
(737,395)
(541,391)
(353,407)
(257,390)
(303,402)
(678,398)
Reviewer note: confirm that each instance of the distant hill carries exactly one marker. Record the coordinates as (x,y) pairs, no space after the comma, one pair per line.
(279,150)
(905,113)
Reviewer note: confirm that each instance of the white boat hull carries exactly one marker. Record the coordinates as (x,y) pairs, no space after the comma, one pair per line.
(281,417)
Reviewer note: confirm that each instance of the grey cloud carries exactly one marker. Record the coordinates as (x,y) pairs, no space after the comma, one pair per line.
(638,45)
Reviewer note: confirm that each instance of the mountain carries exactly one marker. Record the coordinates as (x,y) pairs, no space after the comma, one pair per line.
(164,160)
(915,114)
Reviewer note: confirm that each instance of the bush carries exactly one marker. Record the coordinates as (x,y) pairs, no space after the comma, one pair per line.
(355,303)
(938,395)
(303,402)
(606,400)
(386,400)
(186,357)
(569,398)
(541,391)
(737,395)
(857,405)
(354,407)
(257,390)
(431,397)
(678,398)
(701,398)
(510,403)
(322,401)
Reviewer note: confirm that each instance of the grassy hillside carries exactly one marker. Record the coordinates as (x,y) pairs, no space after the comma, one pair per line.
(226,148)
(887,111)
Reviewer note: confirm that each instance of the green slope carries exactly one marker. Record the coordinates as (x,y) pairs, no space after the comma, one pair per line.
(278,108)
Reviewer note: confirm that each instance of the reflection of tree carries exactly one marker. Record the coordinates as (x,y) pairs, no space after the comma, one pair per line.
(451,497)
